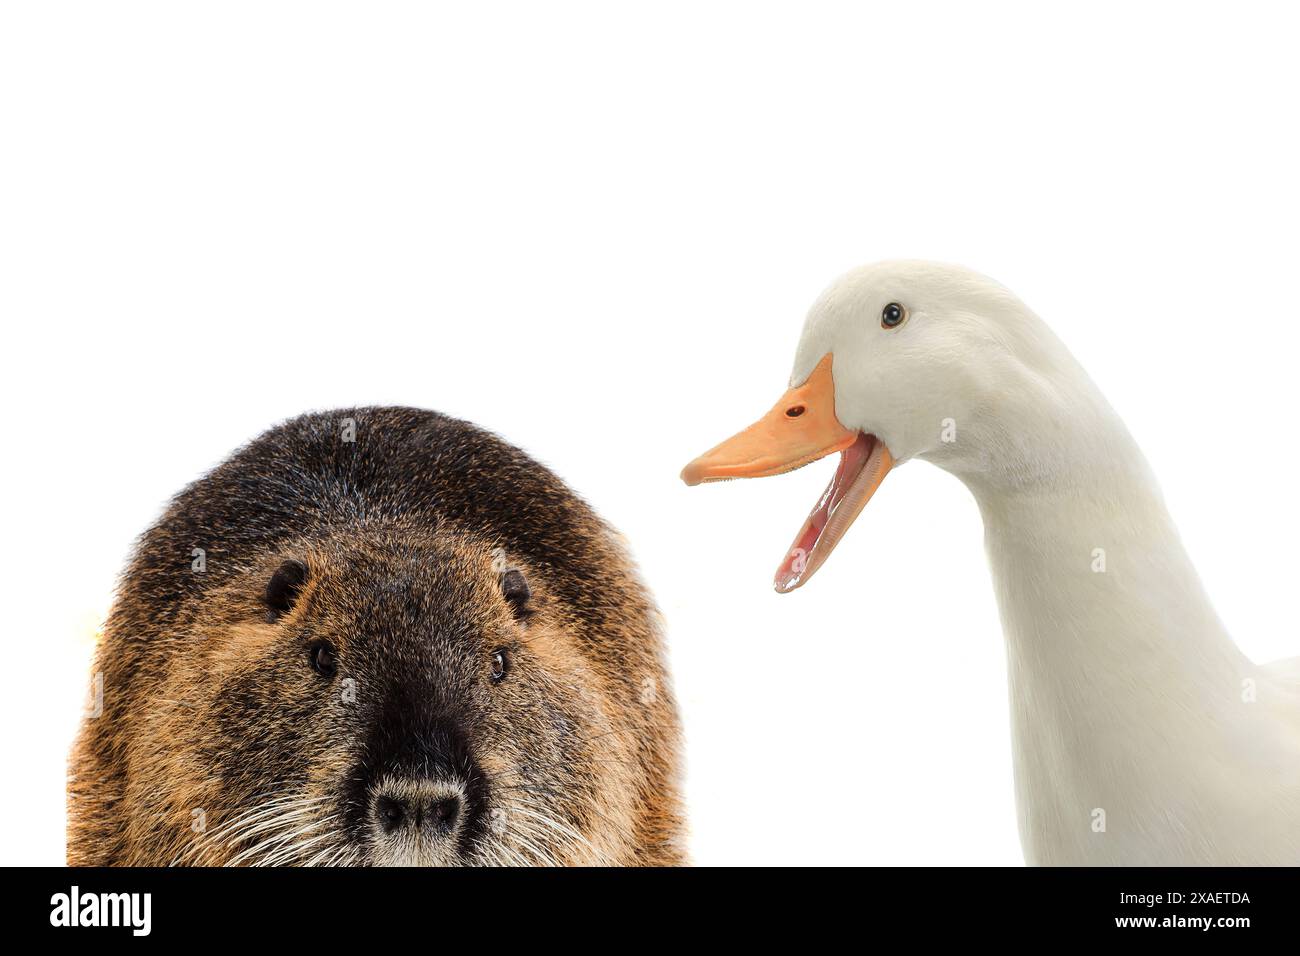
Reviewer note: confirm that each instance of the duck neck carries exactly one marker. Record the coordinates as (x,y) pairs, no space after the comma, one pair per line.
(1111,640)
(1096,590)
(1089,568)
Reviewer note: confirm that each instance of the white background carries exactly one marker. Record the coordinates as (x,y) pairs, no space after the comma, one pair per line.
(596,231)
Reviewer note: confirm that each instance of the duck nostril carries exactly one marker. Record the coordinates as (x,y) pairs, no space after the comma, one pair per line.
(794,411)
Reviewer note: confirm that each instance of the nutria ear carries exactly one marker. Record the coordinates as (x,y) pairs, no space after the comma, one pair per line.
(283,589)
(514,586)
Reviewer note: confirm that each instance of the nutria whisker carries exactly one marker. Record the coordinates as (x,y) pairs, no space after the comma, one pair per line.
(281,841)
(272,845)
(295,850)
(555,825)
(278,820)
(264,809)
(251,822)
(250,816)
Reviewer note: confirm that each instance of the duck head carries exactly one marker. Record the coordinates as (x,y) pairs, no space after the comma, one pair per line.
(894,359)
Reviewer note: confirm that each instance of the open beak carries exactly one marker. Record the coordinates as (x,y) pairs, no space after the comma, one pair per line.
(799,429)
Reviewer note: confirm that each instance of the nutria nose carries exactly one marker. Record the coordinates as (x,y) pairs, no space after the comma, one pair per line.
(431,808)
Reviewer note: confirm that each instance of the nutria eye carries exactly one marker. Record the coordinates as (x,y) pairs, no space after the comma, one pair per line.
(893,315)
(322,659)
(500,664)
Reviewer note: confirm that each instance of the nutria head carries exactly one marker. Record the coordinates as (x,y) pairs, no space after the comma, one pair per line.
(389,668)
(396,697)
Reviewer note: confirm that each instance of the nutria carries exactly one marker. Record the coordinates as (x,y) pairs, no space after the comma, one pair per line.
(378,635)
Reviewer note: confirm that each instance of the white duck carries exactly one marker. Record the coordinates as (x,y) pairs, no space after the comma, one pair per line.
(1142,735)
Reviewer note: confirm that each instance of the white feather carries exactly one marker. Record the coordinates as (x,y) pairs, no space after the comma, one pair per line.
(1142,735)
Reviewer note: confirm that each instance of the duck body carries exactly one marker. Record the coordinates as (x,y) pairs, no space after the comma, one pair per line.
(1141,734)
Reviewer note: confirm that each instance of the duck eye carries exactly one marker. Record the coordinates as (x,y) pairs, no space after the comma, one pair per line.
(893,315)
(322,659)
(500,664)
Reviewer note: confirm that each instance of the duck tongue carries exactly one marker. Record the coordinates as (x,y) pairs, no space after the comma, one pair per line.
(862,467)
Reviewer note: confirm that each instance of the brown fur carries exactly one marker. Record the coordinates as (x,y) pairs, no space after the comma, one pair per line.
(219,743)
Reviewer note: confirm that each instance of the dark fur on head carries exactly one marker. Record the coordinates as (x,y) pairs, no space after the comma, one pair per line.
(408,643)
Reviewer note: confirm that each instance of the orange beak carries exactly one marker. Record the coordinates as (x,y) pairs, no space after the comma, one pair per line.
(801,428)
